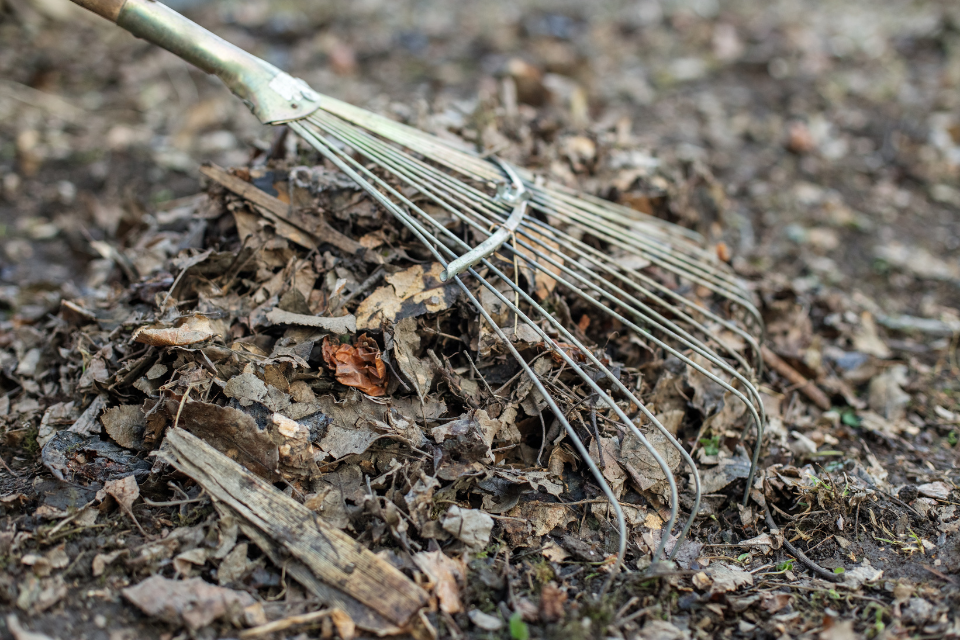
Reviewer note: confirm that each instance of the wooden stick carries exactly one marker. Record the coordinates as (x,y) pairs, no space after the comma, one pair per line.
(807,387)
(334,557)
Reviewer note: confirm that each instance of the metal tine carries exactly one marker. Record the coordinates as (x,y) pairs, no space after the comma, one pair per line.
(411,165)
(630,277)
(359,144)
(660,254)
(607,213)
(462,161)
(362,142)
(344,162)
(430,173)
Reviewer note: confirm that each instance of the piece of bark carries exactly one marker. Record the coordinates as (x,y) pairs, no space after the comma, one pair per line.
(233,433)
(806,387)
(332,556)
(365,617)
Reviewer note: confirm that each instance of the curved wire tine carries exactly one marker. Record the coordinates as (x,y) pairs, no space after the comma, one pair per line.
(628,239)
(668,474)
(633,277)
(623,214)
(702,349)
(343,162)
(443,181)
(677,253)
(517,196)
(465,162)
(458,159)
(607,214)
(400,171)
(643,312)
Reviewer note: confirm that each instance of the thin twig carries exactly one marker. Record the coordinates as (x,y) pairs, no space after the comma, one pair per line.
(284,623)
(174,503)
(366,284)
(810,564)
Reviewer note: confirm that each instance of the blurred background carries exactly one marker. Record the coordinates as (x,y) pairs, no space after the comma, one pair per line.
(830,131)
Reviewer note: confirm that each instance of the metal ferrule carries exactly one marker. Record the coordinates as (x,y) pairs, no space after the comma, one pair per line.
(272,95)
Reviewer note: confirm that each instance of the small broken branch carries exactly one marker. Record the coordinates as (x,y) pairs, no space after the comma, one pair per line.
(800,555)
(806,387)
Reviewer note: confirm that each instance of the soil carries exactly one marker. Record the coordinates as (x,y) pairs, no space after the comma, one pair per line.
(827,133)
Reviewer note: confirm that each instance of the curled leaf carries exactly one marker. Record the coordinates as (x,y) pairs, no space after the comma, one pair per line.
(357,366)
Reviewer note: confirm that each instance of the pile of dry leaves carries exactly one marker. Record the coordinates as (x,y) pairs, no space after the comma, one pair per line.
(263,410)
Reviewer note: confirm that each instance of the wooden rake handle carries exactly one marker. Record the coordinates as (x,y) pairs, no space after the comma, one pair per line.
(271,94)
(109,9)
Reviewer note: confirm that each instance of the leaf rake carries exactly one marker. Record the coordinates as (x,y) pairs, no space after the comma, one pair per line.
(541,228)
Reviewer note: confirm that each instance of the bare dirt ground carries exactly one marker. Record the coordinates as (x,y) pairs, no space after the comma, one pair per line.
(818,143)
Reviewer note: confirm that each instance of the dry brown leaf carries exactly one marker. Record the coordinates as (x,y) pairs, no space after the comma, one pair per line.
(552,601)
(125,424)
(357,366)
(446,574)
(125,490)
(543,282)
(410,293)
(406,343)
(470,526)
(726,578)
(193,603)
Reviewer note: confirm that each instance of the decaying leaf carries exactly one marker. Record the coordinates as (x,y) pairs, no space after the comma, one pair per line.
(640,463)
(938,490)
(446,574)
(339,325)
(858,576)
(19,633)
(713,479)
(727,578)
(346,628)
(125,424)
(484,621)
(357,366)
(406,343)
(234,433)
(124,490)
(552,602)
(543,283)
(410,293)
(541,518)
(470,526)
(192,603)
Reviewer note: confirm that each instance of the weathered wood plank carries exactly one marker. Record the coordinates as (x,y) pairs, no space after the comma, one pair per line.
(332,556)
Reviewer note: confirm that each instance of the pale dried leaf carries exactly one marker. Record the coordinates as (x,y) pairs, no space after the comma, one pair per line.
(445,573)
(727,578)
(470,526)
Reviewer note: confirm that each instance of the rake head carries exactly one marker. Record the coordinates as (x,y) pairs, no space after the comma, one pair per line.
(635,269)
